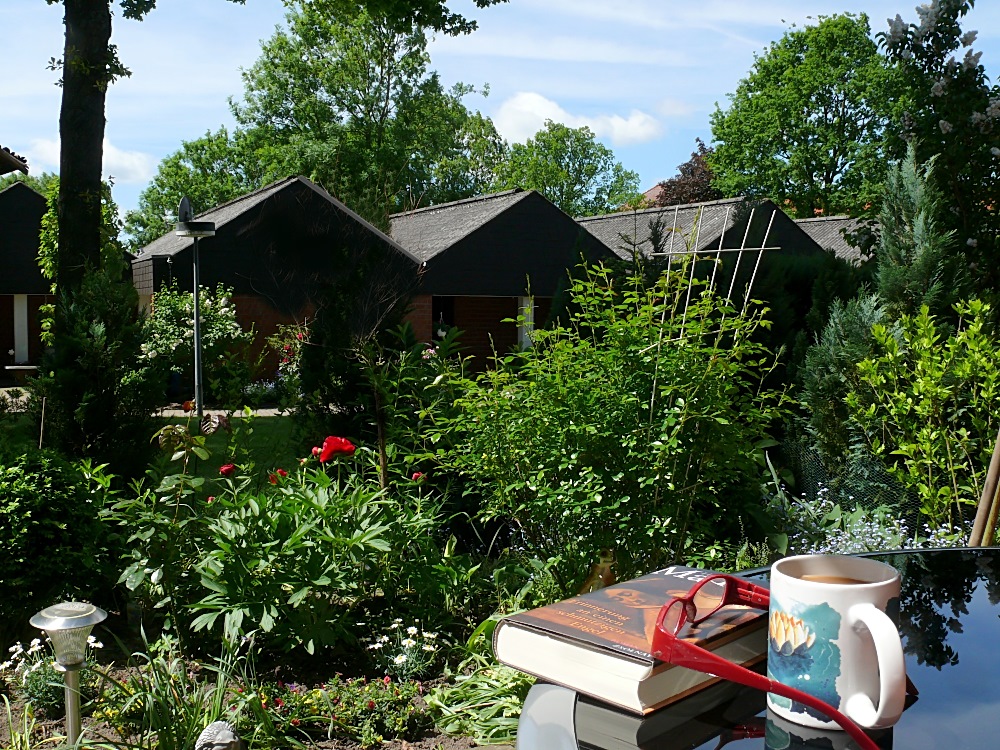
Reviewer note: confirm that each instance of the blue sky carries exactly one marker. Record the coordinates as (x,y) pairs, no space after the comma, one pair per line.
(645,75)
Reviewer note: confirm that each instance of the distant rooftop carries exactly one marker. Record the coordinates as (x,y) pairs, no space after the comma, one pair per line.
(828,232)
(11,162)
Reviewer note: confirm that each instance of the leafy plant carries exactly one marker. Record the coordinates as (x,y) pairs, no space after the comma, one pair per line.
(634,427)
(32,671)
(169,339)
(925,404)
(41,496)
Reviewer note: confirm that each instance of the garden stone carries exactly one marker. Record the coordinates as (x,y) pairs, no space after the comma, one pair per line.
(219,735)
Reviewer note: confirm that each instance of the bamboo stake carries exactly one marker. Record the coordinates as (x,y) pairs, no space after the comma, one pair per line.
(985,513)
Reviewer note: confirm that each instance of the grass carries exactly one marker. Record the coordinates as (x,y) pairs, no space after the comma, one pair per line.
(268,441)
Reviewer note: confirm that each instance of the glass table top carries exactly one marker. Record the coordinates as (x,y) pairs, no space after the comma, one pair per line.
(950,623)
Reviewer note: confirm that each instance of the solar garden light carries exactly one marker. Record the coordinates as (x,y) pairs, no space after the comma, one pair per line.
(68,625)
(187,227)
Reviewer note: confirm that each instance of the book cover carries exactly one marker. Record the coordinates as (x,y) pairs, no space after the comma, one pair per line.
(599,643)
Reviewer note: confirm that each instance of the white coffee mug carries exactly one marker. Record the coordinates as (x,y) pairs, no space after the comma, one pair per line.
(830,637)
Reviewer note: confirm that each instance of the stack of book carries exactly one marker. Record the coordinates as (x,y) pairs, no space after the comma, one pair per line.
(599,643)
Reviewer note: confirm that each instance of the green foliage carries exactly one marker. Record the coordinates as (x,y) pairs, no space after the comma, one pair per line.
(288,343)
(570,168)
(925,402)
(634,427)
(916,261)
(347,99)
(483,701)
(297,559)
(404,652)
(32,671)
(210,171)
(97,394)
(162,704)
(807,126)
(52,542)
(169,340)
(952,116)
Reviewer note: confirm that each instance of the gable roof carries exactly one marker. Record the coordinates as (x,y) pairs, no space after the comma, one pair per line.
(703,223)
(427,232)
(828,233)
(170,244)
(11,162)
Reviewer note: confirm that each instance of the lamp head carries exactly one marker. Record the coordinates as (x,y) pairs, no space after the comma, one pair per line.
(68,625)
(186,225)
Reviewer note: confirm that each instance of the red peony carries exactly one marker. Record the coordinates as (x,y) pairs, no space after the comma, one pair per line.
(210,498)
(336,446)
(273,477)
(227,470)
(316,450)
(417,475)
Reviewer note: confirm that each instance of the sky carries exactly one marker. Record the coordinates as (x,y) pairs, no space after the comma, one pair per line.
(644,75)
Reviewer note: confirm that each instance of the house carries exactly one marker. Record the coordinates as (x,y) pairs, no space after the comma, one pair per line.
(23,289)
(11,162)
(747,249)
(833,233)
(488,259)
(283,249)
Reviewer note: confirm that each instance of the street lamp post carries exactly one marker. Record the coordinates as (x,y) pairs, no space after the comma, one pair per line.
(187,227)
(68,625)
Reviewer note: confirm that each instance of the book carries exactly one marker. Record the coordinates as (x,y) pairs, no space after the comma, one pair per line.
(686,723)
(599,643)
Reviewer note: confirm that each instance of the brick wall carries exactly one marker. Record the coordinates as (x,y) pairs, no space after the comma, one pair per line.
(479,318)
(420,317)
(256,312)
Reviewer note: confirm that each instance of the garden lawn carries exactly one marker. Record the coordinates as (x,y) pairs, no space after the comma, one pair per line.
(266,441)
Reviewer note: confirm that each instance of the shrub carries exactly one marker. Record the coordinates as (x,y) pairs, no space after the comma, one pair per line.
(297,559)
(925,404)
(635,427)
(169,340)
(52,542)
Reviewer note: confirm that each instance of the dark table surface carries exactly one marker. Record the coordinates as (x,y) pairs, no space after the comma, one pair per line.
(950,623)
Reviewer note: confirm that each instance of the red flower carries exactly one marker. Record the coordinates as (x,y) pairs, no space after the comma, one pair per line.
(417,475)
(371,705)
(210,499)
(279,703)
(188,406)
(273,478)
(298,336)
(316,450)
(387,679)
(295,722)
(335,446)
(227,470)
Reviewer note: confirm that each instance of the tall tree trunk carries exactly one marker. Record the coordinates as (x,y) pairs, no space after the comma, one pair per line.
(81,129)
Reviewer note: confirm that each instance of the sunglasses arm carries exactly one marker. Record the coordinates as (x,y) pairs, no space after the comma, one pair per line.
(688,655)
(752,595)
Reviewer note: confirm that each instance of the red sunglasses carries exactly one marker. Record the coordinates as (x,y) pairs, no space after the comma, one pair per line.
(702,601)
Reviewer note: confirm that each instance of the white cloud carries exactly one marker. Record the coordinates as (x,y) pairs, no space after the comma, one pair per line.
(128,167)
(524,114)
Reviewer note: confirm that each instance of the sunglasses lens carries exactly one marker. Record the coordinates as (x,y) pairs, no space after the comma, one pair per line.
(709,597)
(672,617)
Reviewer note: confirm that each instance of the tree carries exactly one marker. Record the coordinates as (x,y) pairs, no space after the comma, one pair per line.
(210,170)
(570,168)
(953,116)
(90,64)
(693,184)
(350,102)
(808,127)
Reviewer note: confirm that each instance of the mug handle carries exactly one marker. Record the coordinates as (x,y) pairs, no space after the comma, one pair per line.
(891,668)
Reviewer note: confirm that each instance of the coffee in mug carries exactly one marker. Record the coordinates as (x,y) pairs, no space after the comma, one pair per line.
(832,635)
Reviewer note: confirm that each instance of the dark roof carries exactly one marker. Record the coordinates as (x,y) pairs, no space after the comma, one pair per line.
(11,162)
(694,222)
(828,233)
(426,232)
(171,244)
(501,245)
